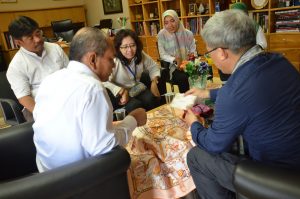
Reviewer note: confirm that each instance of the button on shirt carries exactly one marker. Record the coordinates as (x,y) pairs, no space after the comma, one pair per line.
(27,70)
(73,118)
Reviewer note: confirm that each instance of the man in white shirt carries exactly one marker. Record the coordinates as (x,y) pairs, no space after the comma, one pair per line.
(34,61)
(73,113)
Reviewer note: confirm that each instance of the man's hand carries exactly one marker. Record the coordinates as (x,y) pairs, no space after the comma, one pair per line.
(140,116)
(200,93)
(189,117)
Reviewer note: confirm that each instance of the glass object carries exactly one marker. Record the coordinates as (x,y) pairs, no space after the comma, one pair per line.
(198,81)
(120,113)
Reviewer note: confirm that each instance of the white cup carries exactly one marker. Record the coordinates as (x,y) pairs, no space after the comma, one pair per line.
(120,113)
(169,97)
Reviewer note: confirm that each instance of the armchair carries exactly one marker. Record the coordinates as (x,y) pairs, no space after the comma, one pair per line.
(253,180)
(63,29)
(9,104)
(103,176)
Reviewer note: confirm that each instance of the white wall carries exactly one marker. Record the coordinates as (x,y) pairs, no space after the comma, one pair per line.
(95,13)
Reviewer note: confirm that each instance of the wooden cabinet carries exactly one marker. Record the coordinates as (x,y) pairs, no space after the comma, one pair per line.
(43,17)
(288,45)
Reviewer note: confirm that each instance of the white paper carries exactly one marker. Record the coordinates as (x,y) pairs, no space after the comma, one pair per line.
(183,102)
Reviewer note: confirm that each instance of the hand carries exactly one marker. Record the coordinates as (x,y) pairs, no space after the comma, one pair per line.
(124,97)
(154,88)
(178,61)
(189,117)
(200,93)
(140,116)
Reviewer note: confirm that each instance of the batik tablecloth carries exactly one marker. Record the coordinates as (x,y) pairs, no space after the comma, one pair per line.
(158,157)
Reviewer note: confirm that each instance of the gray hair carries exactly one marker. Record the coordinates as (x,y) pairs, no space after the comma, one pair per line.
(86,40)
(231,29)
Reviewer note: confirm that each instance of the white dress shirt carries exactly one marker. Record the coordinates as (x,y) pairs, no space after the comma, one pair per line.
(73,118)
(27,70)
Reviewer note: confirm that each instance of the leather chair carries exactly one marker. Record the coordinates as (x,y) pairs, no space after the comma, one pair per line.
(63,29)
(9,104)
(105,23)
(254,180)
(103,176)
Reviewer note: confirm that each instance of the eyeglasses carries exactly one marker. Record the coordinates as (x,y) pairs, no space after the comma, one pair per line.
(208,52)
(126,47)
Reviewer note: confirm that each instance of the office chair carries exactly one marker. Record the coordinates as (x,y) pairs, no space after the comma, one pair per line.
(105,23)
(253,180)
(63,29)
(9,104)
(103,176)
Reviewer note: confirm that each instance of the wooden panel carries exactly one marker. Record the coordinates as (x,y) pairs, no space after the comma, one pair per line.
(6,18)
(292,54)
(78,14)
(151,41)
(284,41)
(38,16)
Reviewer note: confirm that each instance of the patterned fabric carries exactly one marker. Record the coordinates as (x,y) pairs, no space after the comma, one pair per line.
(158,157)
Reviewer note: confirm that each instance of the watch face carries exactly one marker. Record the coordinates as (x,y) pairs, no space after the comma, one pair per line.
(259,4)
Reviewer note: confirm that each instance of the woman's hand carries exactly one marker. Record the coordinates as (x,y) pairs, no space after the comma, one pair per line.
(124,96)
(154,88)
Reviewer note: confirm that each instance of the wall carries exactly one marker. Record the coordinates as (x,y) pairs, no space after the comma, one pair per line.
(34,4)
(94,8)
(95,13)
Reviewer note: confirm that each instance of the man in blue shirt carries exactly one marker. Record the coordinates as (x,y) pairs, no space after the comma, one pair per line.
(260,101)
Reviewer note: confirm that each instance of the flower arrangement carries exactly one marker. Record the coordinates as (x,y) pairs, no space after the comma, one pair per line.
(197,70)
(122,21)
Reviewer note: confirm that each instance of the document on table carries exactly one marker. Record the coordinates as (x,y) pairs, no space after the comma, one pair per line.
(183,102)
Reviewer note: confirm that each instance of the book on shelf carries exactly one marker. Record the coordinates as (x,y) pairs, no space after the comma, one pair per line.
(10,42)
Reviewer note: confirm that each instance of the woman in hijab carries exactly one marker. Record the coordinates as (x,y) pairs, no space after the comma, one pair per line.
(175,44)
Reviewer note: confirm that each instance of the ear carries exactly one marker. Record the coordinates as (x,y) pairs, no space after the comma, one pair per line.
(223,55)
(92,58)
(19,42)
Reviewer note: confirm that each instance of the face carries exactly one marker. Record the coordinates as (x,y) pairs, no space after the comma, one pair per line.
(170,24)
(128,48)
(217,56)
(33,43)
(105,64)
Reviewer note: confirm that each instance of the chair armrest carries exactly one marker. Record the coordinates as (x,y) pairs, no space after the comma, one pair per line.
(12,110)
(95,177)
(255,180)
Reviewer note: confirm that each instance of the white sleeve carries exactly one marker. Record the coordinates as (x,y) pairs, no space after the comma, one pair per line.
(98,133)
(161,50)
(151,66)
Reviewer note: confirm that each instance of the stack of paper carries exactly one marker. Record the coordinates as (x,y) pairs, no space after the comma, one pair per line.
(183,102)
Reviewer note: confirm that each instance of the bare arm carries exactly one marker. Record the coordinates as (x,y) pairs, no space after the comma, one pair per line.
(28,102)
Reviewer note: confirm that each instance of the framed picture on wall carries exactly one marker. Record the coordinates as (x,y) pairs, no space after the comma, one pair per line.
(112,6)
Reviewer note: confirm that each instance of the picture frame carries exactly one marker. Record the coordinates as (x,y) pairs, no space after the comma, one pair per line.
(112,6)
(192,9)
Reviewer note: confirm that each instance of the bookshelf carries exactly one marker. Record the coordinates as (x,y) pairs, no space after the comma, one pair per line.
(43,18)
(286,43)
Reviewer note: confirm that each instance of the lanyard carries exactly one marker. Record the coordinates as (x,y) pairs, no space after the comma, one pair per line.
(133,73)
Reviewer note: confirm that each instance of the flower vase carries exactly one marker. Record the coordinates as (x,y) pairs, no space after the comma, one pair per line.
(198,81)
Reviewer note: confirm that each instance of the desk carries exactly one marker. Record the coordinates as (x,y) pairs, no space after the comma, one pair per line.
(158,157)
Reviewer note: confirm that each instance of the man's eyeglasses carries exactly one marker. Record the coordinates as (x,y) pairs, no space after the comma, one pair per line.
(208,52)
(126,47)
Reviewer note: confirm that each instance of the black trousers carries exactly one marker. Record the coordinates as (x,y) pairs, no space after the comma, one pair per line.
(213,173)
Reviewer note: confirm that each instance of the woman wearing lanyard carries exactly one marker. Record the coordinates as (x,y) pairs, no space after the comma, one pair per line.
(125,81)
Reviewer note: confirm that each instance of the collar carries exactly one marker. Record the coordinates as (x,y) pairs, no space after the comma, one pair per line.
(78,67)
(252,52)
(34,54)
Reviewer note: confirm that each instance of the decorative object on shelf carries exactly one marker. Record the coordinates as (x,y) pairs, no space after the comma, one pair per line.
(192,9)
(137,1)
(112,6)
(197,70)
(259,4)
(201,8)
(122,21)
(217,7)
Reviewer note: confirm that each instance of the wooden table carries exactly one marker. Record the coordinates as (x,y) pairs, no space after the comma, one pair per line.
(158,157)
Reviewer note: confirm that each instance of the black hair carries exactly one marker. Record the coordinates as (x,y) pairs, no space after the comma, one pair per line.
(118,41)
(22,26)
